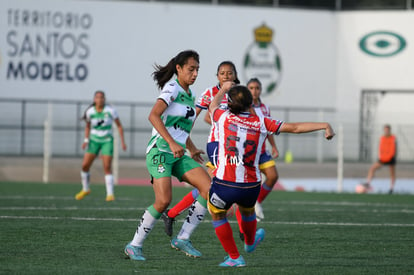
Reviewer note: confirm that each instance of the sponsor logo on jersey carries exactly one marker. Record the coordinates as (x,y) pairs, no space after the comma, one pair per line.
(161,168)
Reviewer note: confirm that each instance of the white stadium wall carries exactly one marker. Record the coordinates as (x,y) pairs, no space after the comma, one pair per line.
(375,52)
(120,42)
(69,49)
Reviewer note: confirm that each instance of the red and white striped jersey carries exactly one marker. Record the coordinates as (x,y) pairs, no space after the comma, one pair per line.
(262,111)
(204,102)
(240,140)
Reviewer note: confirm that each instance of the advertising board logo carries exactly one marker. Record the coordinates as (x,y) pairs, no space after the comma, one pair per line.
(47,46)
(263,61)
(382,43)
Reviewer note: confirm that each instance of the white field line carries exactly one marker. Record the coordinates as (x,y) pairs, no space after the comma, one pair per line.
(75,208)
(70,208)
(270,202)
(209,221)
(340,203)
(58,198)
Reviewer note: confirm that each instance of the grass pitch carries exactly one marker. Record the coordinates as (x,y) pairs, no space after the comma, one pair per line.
(44,230)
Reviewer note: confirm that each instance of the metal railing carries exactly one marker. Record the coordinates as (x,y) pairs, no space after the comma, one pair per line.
(22,128)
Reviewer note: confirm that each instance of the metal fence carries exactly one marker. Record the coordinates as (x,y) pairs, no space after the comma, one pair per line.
(22,129)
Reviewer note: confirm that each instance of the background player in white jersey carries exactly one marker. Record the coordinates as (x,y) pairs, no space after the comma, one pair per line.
(172,117)
(241,136)
(226,71)
(99,139)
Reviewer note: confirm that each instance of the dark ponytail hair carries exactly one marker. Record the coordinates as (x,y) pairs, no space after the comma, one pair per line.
(237,81)
(239,99)
(92,104)
(163,74)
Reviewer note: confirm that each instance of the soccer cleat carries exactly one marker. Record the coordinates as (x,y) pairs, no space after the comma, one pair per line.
(367,186)
(82,194)
(168,222)
(260,234)
(110,198)
(134,252)
(186,247)
(259,211)
(229,262)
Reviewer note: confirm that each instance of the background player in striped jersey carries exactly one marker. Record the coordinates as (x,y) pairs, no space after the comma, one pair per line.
(172,117)
(266,163)
(241,136)
(226,71)
(99,117)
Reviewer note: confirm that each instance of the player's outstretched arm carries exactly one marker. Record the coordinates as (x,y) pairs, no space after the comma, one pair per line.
(306,127)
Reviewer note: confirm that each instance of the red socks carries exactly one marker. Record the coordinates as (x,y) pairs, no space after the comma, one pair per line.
(264,191)
(225,236)
(182,205)
(247,226)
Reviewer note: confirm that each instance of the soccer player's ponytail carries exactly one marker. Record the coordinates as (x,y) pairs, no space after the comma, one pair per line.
(163,74)
(239,99)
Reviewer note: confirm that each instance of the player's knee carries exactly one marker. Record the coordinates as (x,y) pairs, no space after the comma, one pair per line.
(272,179)
(216,213)
(246,211)
(86,166)
(162,204)
(204,194)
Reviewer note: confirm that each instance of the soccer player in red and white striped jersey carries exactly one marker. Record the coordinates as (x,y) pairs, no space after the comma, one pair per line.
(267,165)
(237,177)
(226,71)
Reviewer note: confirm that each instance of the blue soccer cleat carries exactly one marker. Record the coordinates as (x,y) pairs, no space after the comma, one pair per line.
(260,234)
(229,262)
(134,252)
(186,247)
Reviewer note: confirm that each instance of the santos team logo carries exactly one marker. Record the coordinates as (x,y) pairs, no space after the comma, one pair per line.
(263,61)
(382,43)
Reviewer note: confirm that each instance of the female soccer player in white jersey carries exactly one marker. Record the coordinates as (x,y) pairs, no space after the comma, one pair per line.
(241,136)
(98,138)
(226,71)
(172,117)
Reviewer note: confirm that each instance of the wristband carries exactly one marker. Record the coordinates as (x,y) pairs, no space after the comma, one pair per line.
(86,140)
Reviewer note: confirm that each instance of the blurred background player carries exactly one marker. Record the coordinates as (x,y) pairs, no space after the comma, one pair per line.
(387,155)
(266,163)
(226,71)
(99,117)
(172,117)
(237,178)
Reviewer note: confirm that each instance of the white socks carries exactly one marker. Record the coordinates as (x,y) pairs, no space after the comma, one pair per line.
(145,226)
(109,183)
(195,215)
(85,180)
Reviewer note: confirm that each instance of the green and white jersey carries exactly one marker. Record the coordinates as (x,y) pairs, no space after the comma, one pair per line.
(178,118)
(101,123)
